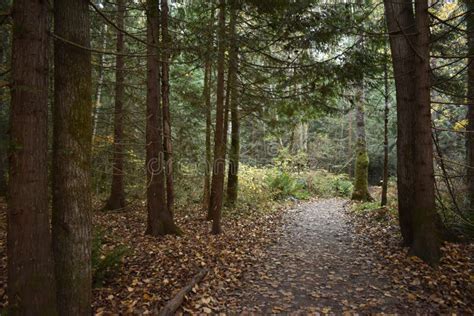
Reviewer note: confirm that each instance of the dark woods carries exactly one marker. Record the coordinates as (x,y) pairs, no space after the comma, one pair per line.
(103,101)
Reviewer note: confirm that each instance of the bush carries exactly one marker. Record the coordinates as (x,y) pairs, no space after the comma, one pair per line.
(284,185)
(326,184)
(342,185)
(253,187)
(366,207)
(105,264)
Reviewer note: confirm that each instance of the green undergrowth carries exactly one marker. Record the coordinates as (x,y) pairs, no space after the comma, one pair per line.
(303,185)
(263,189)
(106,262)
(372,211)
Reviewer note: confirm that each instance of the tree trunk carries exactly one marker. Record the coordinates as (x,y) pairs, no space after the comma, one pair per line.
(100,84)
(165,93)
(207,102)
(425,234)
(470,107)
(401,27)
(116,200)
(71,158)
(409,39)
(349,144)
(218,170)
(234,154)
(4,42)
(31,287)
(385,132)
(299,138)
(159,221)
(207,164)
(361,178)
(97,105)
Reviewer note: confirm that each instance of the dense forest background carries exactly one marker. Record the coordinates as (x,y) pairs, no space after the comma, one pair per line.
(229,111)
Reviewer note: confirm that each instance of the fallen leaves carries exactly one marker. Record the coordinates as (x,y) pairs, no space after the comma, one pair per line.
(316,259)
(445,289)
(157,268)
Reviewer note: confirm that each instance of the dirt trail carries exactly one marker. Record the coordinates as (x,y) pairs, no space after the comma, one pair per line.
(318,265)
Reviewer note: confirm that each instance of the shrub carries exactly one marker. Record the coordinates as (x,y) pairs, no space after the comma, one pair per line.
(326,184)
(105,264)
(342,185)
(253,187)
(284,185)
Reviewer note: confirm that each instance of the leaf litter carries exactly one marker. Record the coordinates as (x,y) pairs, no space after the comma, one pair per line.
(317,257)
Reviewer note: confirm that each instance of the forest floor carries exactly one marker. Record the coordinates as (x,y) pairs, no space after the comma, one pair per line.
(316,256)
(328,262)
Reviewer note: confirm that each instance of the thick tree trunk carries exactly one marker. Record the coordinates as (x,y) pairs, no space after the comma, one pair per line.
(234,153)
(159,221)
(117,194)
(3,155)
(401,27)
(165,93)
(71,158)
(385,132)
(218,170)
(31,286)
(470,107)
(409,39)
(4,45)
(361,178)
(426,243)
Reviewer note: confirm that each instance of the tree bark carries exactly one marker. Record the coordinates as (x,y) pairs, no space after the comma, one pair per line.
(207,103)
(426,243)
(165,93)
(100,84)
(117,194)
(3,114)
(159,221)
(409,40)
(385,132)
(401,27)
(361,179)
(71,158)
(31,286)
(218,170)
(470,106)
(349,144)
(234,154)
(97,105)
(207,165)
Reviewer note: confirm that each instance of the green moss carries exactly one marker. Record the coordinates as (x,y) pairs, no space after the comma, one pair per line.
(361,182)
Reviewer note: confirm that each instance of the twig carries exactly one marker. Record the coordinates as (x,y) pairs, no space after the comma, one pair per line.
(173,304)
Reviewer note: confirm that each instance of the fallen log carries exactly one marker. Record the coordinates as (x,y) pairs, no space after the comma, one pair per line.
(172,305)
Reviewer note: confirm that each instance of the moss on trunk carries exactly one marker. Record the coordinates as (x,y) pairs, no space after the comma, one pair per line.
(361,182)
(361,177)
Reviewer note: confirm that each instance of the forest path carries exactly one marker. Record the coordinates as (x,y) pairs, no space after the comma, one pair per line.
(318,265)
